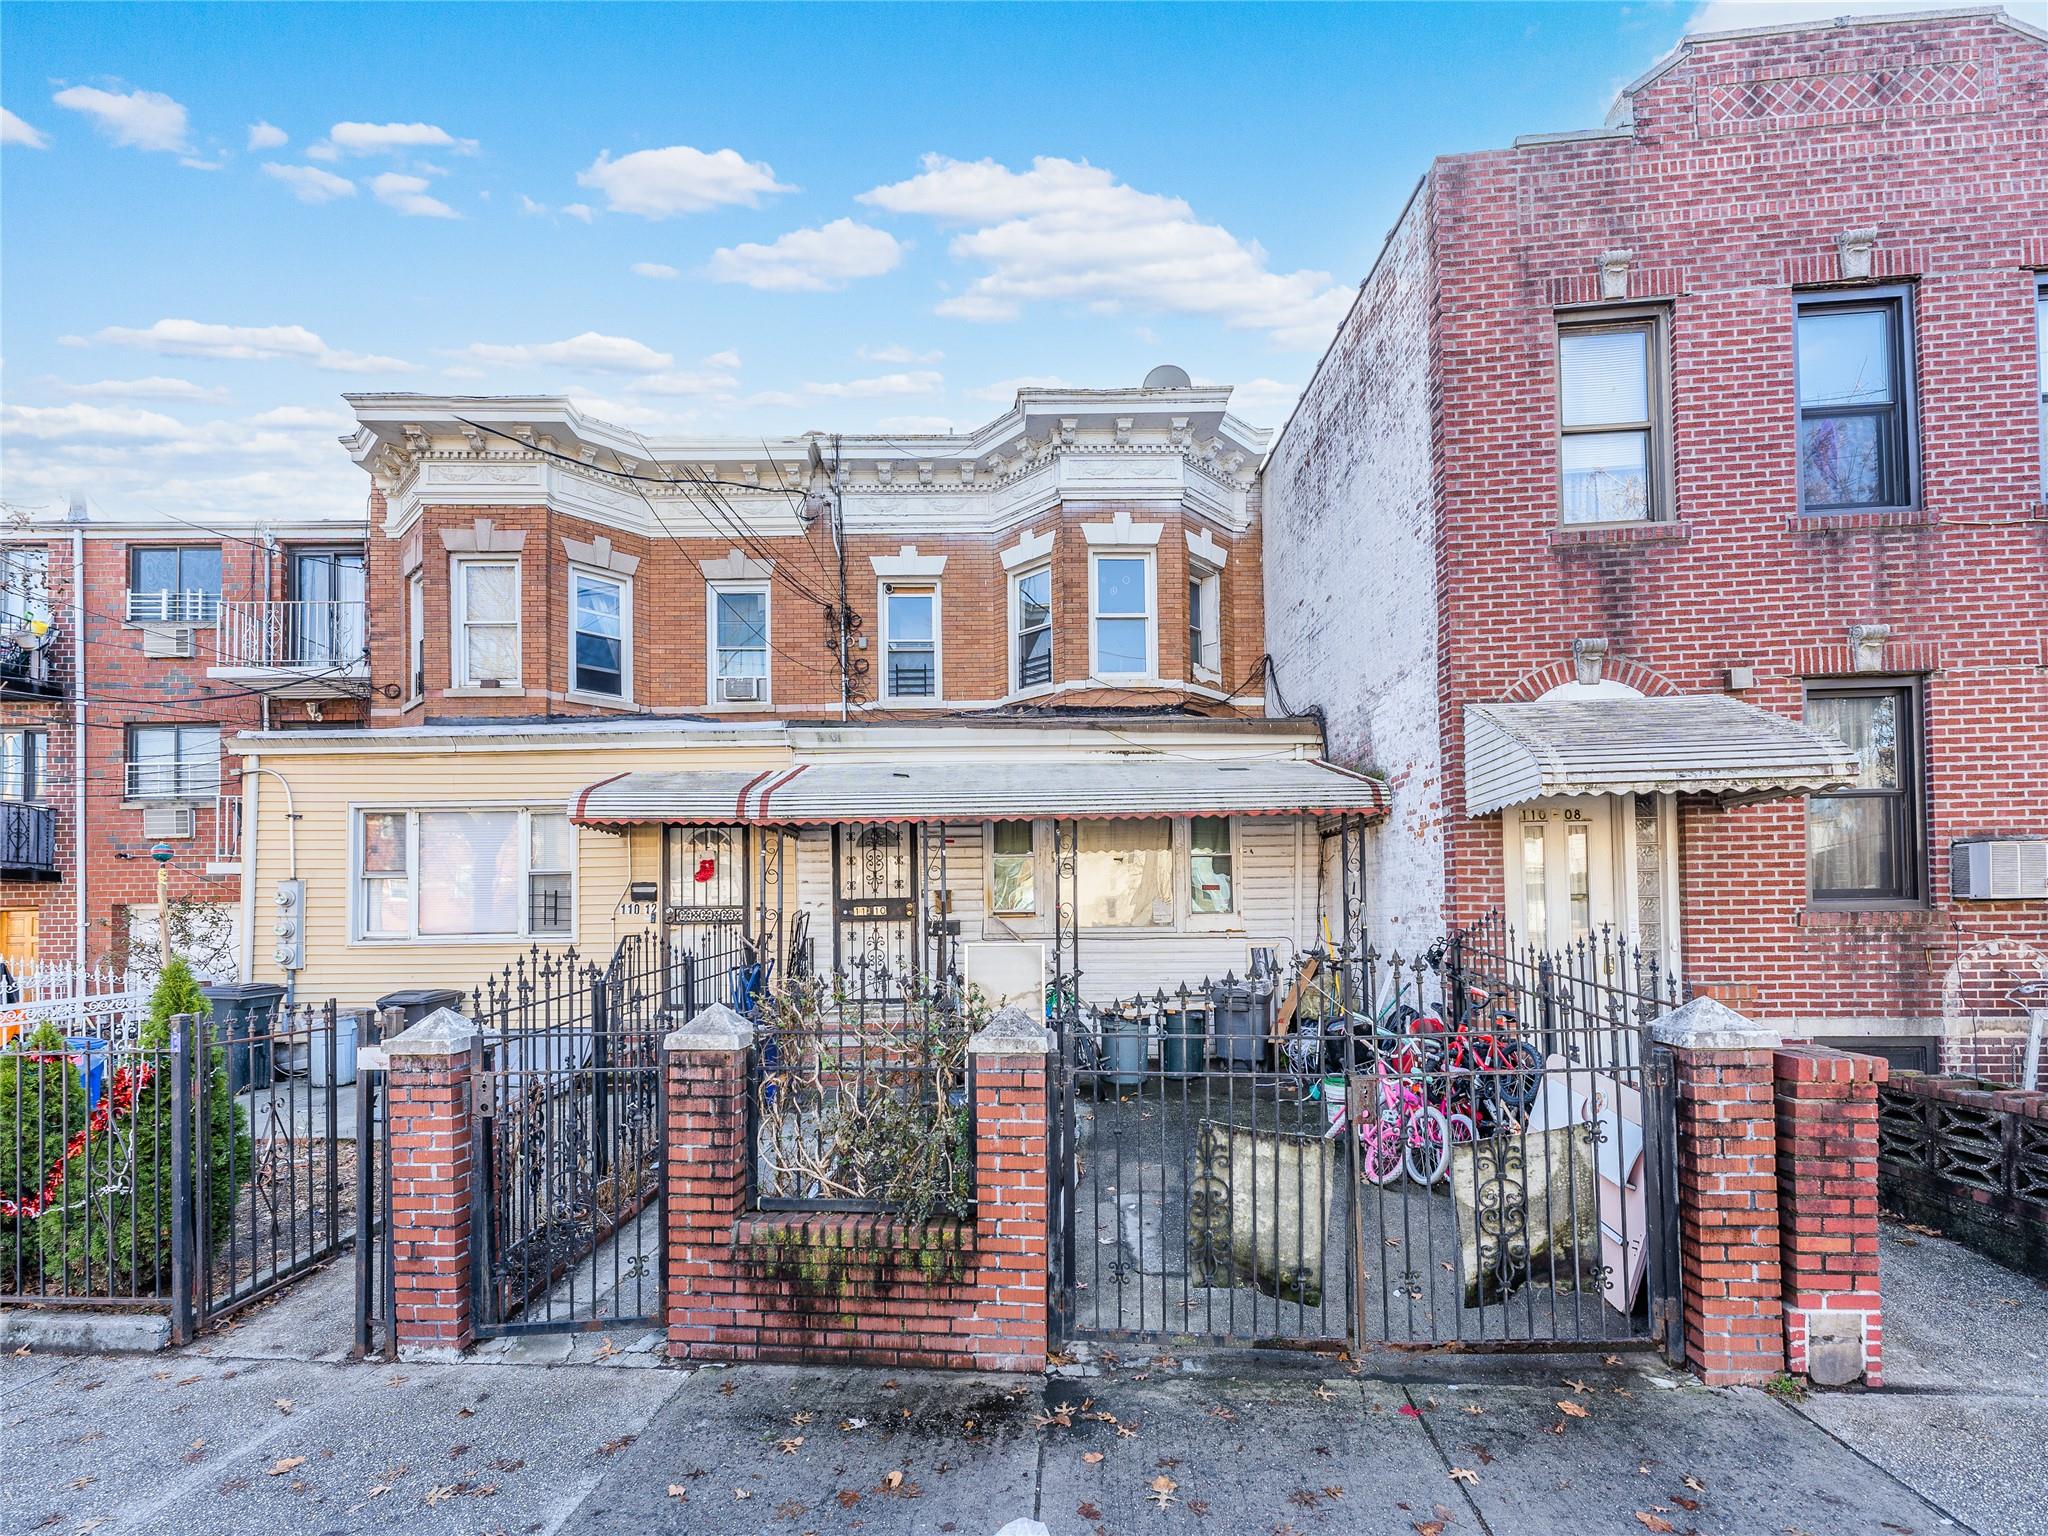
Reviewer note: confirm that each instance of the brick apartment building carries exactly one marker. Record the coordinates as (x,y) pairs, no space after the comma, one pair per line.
(1655,461)
(128,650)
(857,698)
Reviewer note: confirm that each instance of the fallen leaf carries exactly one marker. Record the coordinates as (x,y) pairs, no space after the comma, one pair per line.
(1197,1506)
(800,1419)
(282,1404)
(1091,1457)
(741,1493)
(1690,1505)
(789,1509)
(80,1482)
(1577,1386)
(892,1480)
(847,1498)
(1410,1411)
(853,1424)
(1610,1360)
(1464,1475)
(1472,1408)
(1653,1522)
(1163,1488)
(284,1464)
(1325,1394)
(790,1446)
(1694,1483)
(607,1349)
(438,1496)
(613,1447)
(1088,1512)
(1428,1527)
(1571,1409)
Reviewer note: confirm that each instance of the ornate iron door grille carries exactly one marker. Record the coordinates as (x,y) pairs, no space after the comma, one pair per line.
(875,905)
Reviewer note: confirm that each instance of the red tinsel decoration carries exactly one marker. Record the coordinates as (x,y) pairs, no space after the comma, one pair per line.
(119,1100)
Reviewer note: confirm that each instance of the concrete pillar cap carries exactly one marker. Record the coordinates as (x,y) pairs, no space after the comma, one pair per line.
(1016,1031)
(444,1032)
(716,1028)
(1706,1025)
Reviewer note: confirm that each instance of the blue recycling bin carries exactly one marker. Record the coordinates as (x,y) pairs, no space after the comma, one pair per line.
(89,1056)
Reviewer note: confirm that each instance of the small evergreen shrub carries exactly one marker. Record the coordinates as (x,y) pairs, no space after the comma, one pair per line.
(42,1105)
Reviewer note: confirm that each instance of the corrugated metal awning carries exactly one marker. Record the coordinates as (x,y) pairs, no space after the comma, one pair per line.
(1705,745)
(973,789)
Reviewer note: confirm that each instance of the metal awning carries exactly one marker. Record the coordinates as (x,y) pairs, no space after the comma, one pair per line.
(971,789)
(1706,745)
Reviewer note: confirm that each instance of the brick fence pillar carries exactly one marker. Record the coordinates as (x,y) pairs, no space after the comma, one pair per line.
(708,1147)
(1827,1201)
(1729,1270)
(427,1107)
(1012,1169)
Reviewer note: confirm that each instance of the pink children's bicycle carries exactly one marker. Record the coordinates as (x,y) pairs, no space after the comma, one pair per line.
(1405,1133)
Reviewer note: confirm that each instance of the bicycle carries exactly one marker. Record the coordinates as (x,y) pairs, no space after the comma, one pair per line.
(1404,1133)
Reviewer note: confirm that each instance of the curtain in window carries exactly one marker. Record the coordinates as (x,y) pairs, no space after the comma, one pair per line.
(1125,873)
(471,872)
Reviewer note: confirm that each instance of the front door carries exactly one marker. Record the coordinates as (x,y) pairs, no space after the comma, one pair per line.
(1564,875)
(18,938)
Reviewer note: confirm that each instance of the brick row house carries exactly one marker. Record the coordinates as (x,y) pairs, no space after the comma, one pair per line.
(1658,463)
(128,651)
(979,701)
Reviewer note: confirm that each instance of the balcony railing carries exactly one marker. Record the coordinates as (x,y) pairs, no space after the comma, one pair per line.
(28,841)
(31,666)
(165,606)
(168,779)
(314,636)
(227,830)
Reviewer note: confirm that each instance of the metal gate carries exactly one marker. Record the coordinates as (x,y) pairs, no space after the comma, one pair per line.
(566,1222)
(875,905)
(1470,1148)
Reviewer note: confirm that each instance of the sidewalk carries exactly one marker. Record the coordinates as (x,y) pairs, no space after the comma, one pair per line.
(230,1438)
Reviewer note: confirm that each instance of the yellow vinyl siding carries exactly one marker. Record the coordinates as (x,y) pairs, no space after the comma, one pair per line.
(324,788)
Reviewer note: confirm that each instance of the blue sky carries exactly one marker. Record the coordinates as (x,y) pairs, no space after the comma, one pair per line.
(705,220)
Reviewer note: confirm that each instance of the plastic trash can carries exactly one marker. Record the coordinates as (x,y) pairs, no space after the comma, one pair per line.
(1236,1034)
(245,1016)
(346,1025)
(1184,1040)
(1124,1044)
(418,1002)
(89,1056)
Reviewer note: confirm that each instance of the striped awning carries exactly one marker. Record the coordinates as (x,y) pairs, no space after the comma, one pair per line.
(1707,745)
(962,789)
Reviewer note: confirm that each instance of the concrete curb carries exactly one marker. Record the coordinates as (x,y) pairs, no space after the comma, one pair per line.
(62,1331)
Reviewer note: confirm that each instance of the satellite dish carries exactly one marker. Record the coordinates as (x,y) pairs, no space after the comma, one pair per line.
(1166,376)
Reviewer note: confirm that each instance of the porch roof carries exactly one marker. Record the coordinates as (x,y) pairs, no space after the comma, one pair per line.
(1704,745)
(962,789)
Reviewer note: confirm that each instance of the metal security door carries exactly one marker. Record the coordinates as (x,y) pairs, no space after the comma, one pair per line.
(703,914)
(874,931)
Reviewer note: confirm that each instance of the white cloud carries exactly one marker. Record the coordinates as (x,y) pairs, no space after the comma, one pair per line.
(660,269)
(14,131)
(91,422)
(923,382)
(660,183)
(248,343)
(1068,232)
(590,351)
(408,194)
(1264,402)
(915,424)
(580,211)
(322,151)
(531,208)
(810,260)
(309,183)
(1003,391)
(897,354)
(140,119)
(726,359)
(392,138)
(713,383)
(267,136)
(155,387)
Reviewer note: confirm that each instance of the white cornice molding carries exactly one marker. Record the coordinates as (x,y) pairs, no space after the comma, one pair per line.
(599,555)
(1030,549)
(907,562)
(1121,531)
(483,538)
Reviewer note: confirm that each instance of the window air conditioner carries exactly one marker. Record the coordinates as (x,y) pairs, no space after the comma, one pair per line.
(1999,869)
(167,821)
(169,642)
(740,690)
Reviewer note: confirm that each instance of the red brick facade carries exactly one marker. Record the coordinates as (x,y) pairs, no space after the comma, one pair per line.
(1827,1204)
(432,1142)
(1749,158)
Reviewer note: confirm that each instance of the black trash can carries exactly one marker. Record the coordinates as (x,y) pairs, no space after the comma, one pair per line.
(418,1002)
(244,1020)
(1234,1033)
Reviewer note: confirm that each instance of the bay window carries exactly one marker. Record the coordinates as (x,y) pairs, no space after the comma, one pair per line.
(1855,401)
(600,624)
(1121,634)
(486,610)
(500,873)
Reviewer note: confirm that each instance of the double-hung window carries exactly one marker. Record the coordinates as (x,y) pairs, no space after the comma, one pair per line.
(1013,870)
(1211,890)
(174,584)
(486,605)
(739,645)
(416,635)
(173,762)
(600,622)
(1123,637)
(1205,623)
(24,588)
(1612,424)
(464,874)
(1855,373)
(1863,842)
(910,641)
(24,758)
(1031,625)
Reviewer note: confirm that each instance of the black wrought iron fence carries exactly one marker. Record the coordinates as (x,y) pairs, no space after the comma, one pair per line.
(569,1125)
(192,1168)
(859,1096)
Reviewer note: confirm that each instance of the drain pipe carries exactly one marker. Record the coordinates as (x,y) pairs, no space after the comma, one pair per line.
(81,863)
(251,768)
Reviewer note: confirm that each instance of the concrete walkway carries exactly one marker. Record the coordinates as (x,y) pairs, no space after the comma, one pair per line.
(244,1434)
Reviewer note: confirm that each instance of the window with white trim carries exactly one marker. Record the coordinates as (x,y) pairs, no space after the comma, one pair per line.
(24,764)
(910,641)
(1123,873)
(496,873)
(600,631)
(739,644)
(486,611)
(1031,628)
(1205,623)
(173,762)
(24,588)
(173,584)
(1122,638)
(416,635)
(1013,869)
(1212,888)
